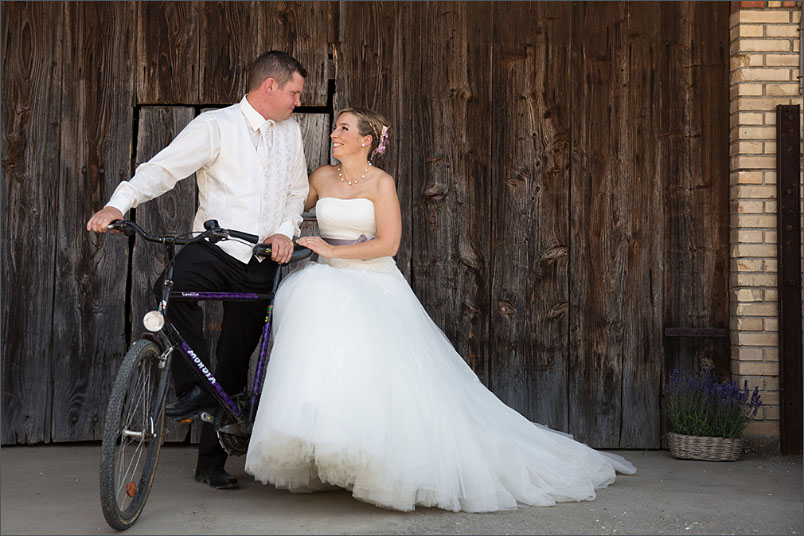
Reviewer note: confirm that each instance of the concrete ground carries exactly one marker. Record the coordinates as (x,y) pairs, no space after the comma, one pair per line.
(54,490)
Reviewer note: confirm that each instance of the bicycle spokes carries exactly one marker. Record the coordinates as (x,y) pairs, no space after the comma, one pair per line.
(137,429)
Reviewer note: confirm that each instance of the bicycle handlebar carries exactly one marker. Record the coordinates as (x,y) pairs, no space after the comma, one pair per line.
(128,228)
(213,232)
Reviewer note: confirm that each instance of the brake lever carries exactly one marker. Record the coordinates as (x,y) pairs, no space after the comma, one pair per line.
(216,235)
(118,225)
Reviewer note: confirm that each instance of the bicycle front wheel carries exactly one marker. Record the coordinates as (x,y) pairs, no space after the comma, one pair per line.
(132,434)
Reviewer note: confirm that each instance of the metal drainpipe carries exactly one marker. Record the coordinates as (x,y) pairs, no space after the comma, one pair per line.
(801,91)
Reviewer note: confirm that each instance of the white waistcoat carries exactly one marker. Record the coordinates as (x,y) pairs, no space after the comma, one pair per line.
(256,203)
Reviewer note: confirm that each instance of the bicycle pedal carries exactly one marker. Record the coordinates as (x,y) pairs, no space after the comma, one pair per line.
(206,417)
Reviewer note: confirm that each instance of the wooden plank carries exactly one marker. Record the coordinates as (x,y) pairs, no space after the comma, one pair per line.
(788,173)
(693,163)
(605,246)
(227,46)
(531,151)
(450,227)
(32,38)
(372,59)
(640,209)
(315,129)
(167,63)
(693,154)
(96,118)
(304,30)
(170,214)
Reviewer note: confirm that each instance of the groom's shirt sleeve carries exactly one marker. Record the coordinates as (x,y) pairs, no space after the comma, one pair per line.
(297,191)
(195,146)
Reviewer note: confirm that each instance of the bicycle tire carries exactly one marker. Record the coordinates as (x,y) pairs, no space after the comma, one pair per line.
(132,434)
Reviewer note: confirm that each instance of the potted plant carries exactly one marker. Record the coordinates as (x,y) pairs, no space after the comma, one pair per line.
(708,418)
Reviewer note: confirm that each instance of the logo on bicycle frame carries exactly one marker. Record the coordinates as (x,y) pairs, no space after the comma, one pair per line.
(199,364)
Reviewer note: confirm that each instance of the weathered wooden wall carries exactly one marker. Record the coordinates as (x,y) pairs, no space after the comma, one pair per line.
(562,169)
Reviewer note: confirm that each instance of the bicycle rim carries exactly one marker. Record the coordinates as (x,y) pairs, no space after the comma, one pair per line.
(132,435)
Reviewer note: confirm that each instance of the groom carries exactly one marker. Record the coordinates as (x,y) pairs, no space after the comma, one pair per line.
(252,177)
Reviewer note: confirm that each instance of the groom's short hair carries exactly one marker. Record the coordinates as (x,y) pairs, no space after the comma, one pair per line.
(274,64)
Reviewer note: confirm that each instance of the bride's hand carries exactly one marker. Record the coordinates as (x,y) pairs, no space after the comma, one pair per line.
(317,244)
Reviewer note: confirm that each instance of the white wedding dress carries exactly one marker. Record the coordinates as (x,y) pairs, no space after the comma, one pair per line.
(365,392)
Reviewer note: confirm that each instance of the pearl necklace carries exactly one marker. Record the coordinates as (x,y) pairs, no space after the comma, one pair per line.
(353,181)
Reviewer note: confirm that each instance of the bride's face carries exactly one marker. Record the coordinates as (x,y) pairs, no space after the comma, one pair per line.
(346,138)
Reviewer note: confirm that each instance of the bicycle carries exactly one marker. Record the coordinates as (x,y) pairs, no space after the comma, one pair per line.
(133,429)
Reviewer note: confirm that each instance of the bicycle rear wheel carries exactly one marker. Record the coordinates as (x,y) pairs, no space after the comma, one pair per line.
(132,434)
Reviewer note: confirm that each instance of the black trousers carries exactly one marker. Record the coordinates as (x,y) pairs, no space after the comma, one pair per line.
(205,267)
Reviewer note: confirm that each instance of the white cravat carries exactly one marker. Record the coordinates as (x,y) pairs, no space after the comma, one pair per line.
(266,143)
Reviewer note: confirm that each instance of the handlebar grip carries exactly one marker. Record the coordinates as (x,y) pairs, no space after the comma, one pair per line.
(299,252)
(264,250)
(248,237)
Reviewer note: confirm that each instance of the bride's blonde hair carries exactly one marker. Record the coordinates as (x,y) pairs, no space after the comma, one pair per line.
(371,123)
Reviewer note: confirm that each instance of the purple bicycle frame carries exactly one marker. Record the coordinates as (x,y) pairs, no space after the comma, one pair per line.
(260,368)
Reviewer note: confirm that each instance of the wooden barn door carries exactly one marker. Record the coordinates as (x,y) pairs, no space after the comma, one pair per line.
(562,170)
(563,174)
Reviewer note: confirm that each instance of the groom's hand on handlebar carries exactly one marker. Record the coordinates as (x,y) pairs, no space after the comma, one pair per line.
(281,248)
(102,218)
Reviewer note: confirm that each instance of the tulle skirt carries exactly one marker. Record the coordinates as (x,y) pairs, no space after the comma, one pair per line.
(363,391)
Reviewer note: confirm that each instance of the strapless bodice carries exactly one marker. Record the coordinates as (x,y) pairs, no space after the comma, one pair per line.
(348,219)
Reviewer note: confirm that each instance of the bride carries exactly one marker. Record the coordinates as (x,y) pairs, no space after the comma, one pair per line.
(363,391)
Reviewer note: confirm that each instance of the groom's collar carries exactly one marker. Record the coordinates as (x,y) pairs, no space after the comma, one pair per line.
(254,118)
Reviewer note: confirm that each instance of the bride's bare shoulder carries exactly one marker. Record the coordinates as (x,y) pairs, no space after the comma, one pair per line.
(385,181)
(322,173)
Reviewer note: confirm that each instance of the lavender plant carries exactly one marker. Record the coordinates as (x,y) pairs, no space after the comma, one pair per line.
(699,406)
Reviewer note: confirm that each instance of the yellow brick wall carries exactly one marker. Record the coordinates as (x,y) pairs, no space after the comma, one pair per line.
(764,71)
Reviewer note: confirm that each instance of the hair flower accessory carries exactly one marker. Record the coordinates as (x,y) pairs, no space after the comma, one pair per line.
(383,143)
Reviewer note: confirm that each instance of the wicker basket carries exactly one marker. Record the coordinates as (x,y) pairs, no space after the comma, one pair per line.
(716,449)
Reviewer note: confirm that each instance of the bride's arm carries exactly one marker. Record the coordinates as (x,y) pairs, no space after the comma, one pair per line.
(389,229)
(312,194)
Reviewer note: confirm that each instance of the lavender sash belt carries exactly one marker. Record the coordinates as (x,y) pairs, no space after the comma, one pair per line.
(340,242)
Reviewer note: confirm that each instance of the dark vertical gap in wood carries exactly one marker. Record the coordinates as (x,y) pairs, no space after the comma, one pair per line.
(494,177)
(417,174)
(568,214)
(51,384)
(490,370)
(132,239)
(788,173)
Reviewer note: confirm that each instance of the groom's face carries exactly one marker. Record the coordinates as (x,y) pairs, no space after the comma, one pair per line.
(283,99)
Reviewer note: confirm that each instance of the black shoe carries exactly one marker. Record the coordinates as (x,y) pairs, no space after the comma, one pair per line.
(216,477)
(191,403)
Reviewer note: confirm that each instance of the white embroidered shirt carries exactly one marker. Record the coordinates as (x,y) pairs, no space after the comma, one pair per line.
(240,184)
